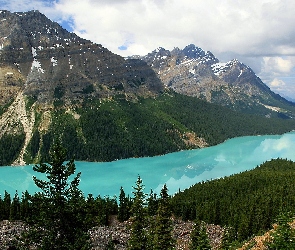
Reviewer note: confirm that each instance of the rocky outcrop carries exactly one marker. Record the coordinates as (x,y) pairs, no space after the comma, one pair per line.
(118,233)
(18,119)
(10,232)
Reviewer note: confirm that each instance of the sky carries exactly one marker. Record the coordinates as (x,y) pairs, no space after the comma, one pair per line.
(259,33)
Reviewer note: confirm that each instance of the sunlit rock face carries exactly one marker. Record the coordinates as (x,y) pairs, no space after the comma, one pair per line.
(195,72)
(48,62)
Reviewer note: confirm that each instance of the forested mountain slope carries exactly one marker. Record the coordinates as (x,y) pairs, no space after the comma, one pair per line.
(114,129)
(248,202)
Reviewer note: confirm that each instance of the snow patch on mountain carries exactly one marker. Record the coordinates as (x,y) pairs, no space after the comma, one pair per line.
(219,68)
(53,61)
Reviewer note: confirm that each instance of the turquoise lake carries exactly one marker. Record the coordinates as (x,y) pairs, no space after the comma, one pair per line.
(178,170)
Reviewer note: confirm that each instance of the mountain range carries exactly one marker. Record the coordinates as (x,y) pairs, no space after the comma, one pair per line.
(56,85)
(195,72)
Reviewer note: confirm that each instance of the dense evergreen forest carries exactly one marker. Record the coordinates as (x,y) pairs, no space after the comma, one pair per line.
(10,146)
(246,204)
(117,128)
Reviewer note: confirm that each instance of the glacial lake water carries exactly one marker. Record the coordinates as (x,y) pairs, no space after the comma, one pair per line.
(178,170)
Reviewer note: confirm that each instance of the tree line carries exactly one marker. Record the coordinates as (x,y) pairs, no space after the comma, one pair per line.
(10,147)
(107,130)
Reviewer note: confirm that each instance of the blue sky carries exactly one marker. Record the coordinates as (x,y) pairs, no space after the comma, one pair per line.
(260,33)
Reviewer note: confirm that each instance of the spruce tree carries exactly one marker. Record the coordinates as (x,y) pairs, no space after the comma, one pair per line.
(163,238)
(58,208)
(6,205)
(110,245)
(1,208)
(228,238)
(199,237)
(283,237)
(152,204)
(138,237)
(25,206)
(123,211)
(15,208)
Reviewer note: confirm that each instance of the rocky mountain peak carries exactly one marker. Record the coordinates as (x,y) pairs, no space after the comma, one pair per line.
(33,29)
(195,72)
(191,51)
(56,64)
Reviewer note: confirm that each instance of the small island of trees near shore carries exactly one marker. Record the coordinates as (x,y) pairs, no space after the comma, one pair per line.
(245,204)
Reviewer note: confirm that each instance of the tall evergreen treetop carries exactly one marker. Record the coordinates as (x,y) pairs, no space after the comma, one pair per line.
(199,237)
(61,205)
(57,187)
(138,237)
(123,211)
(163,238)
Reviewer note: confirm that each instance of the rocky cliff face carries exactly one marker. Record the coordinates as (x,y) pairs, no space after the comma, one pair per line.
(47,62)
(43,66)
(199,73)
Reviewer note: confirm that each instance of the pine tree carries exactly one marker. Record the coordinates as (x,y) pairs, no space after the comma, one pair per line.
(1,208)
(25,206)
(199,237)
(15,208)
(123,212)
(138,237)
(152,204)
(58,208)
(163,238)
(110,245)
(227,238)
(91,211)
(6,205)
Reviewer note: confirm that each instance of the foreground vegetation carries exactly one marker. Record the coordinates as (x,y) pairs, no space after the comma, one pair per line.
(245,204)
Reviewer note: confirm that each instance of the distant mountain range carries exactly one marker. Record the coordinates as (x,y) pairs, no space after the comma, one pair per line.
(54,84)
(195,72)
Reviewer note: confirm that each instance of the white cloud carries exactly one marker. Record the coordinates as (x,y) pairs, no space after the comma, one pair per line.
(278,73)
(243,27)
(284,86)
(277,83)
(278,65)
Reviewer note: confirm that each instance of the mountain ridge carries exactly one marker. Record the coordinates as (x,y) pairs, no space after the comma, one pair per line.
(46,54)
(195,72)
